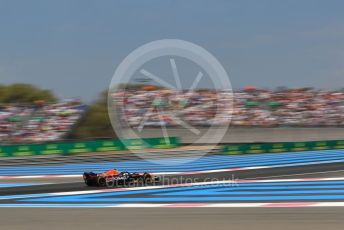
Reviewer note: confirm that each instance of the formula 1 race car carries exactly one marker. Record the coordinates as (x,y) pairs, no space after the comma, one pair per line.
(113,178)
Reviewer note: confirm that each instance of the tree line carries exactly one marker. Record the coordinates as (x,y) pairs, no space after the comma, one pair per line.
(25,93)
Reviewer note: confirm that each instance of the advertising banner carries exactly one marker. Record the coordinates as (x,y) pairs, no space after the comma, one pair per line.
(68,148)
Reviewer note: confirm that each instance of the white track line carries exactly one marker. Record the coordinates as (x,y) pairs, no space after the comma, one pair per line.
(183,205)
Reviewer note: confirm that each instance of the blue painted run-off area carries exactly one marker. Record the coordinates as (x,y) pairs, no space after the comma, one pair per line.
(231,192)
(204,163)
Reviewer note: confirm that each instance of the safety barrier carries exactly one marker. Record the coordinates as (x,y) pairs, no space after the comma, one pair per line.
(68,148)
(282,147)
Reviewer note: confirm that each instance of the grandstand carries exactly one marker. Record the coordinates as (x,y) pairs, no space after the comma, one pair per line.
(38,122)
(252,107)
(41,121)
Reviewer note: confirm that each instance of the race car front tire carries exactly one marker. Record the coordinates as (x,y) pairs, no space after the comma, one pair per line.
(101,181)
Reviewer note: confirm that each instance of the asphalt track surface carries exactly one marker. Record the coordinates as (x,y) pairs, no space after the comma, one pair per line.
(172,219)
(177,218)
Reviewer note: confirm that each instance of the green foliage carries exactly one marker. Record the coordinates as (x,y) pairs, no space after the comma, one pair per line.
(96,122)
(138,86)
(24,93)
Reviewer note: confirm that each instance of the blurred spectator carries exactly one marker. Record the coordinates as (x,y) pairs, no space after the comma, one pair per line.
(251,107)
(38,122)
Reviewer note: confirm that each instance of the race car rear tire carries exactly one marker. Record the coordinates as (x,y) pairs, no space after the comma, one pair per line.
(88,182)
(147,178)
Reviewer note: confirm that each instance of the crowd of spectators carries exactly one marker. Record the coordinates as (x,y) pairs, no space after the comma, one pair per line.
(171,108)
(249,107)
(38,122)
(151,107)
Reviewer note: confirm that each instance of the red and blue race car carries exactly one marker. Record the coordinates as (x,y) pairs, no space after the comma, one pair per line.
(113,177)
